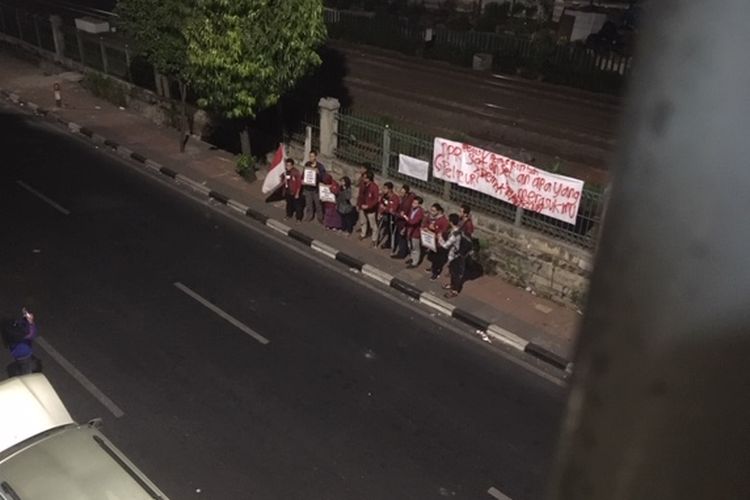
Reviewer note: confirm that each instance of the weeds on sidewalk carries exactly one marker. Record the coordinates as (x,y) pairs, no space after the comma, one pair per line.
(106,88)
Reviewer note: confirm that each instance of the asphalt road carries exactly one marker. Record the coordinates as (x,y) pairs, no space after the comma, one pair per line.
(353,397)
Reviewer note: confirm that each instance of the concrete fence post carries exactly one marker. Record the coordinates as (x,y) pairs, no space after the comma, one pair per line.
(329,108)
(79,39)
(518,222)
(19,25)
(105,62)
(386,151)
(447,190)
(36,32)
(166,87)
(57,37)
(157,83)
(308,143)
(127,63)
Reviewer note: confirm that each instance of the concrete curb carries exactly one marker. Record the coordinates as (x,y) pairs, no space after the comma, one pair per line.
(486,329)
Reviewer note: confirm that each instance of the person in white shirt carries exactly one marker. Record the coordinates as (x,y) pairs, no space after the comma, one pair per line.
(456,258)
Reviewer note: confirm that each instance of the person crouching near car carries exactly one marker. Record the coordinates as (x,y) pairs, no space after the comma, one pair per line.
(18,336)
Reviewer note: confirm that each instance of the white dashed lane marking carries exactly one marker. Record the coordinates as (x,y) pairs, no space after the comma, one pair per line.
(80,378)
(224,315)
(498,494)
(39,195)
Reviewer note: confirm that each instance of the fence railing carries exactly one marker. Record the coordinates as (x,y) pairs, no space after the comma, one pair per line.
(106,53)
(361,140)
(567,64)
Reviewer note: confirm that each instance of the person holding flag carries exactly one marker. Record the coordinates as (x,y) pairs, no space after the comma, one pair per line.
(274,180)
(292,184)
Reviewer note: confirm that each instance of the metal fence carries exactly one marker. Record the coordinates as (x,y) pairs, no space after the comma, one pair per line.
(108,53)
(362,140)
(568,64)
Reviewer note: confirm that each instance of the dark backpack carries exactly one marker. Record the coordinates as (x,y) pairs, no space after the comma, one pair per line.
(465,245)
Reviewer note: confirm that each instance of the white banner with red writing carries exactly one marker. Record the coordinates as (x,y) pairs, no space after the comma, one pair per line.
(506,179)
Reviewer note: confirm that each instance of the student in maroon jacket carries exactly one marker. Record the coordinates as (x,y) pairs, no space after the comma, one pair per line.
(412,232)
(437,222)
(387,210)
(292,187)
(399,240)
(466,224)
(367,202)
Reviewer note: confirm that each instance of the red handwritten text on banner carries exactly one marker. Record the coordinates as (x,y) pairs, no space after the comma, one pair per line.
(506,179)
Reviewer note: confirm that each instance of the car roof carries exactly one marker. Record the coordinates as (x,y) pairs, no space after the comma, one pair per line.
(73,463)
(29,406)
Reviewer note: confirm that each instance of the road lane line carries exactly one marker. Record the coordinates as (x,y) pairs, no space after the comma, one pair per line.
(496,106)
(80,378)
(260,338)
(42,197)
(498,494)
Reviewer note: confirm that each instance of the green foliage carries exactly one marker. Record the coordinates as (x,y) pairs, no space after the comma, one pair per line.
(106,88)
(245,165)
(245,54)
(156,30)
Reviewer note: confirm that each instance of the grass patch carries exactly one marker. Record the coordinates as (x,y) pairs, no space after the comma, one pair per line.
(106,88)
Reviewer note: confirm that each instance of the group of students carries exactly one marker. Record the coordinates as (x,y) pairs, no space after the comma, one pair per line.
(393,220)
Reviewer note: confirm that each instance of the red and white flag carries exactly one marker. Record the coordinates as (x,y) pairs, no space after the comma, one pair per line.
(273,180)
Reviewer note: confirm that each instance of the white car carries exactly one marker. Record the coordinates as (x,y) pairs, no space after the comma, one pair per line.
(45,455)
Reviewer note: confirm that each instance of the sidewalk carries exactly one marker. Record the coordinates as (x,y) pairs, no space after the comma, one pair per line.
(490,299)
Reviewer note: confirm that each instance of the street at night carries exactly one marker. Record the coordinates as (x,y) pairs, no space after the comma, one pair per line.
(162,301)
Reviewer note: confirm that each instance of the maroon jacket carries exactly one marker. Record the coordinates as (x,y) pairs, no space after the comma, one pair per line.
(406,201)
(438,225)
(467,226)
(368,197)
(389,204)
(292,182)
(414,222)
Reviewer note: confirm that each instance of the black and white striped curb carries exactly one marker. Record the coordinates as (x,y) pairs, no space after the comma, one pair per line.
(488,331)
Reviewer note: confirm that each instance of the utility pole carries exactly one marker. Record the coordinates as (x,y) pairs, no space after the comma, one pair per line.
(659,406)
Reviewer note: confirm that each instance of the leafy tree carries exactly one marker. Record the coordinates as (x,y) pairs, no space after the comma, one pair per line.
(245,54)
(156,30)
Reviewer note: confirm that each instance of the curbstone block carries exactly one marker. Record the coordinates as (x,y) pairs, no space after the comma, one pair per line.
(218,197)
(377,274)
(153,165)
(350,261)
(239,207)
(407,288)
(321,247)
(138,157)
(190,182)
(278,226)
(437,303)
(546,355)
(124,152)
(471,319)
(301,237)
(259,216)
(168,172)
(504,336)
